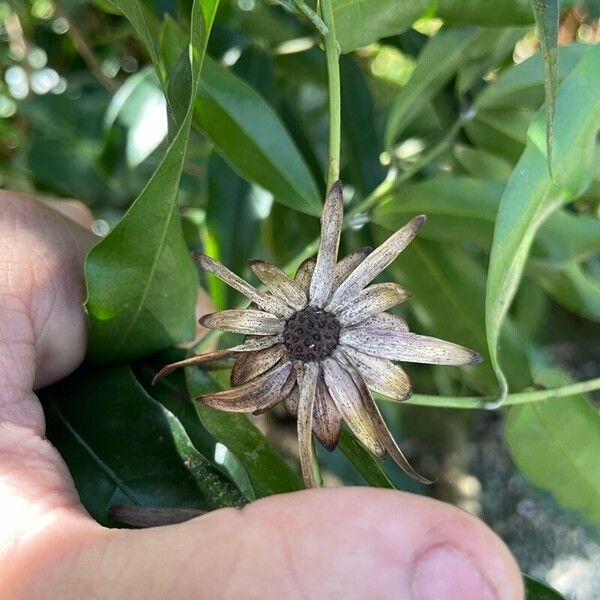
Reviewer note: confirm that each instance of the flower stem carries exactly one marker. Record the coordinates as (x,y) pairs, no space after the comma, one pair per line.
(482,402)
(332,54)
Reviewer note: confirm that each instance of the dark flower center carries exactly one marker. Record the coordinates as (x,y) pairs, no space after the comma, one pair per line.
(311,334)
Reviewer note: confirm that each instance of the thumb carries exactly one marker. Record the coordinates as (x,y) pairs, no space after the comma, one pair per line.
(327,543)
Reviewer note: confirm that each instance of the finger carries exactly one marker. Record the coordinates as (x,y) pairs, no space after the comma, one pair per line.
(337,543)
(42,338)
(74,210)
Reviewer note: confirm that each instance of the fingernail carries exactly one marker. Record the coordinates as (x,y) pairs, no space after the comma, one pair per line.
(445,572)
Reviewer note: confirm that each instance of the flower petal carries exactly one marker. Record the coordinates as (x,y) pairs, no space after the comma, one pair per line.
(261,393)
(406,346)
(307,385)
(305,272)
(331,228)
(327,421)
(385,321)
(380,374)
(252,364)
(347,264)
(384,436)
(372,300)
(252,322)
(291,402)
(349,402)
(192,360)
(265,302)
(279,283)
(375,263)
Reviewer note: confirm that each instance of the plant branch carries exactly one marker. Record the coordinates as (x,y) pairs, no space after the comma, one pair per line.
(482,402)
(335,103)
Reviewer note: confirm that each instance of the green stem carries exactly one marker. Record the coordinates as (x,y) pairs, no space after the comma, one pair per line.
(580,387)
(335,102)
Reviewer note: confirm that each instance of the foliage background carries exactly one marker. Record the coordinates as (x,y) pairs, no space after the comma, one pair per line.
(440,114)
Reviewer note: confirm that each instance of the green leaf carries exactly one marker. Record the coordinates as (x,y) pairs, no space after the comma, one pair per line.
(123,447)
(570,286)
(268,472)
(462,210)
(523,84)
(250,136)
(487,13)
(360,136)
(530,196)
(363,461)
(482,164)
(232,225)
(536,590)
(556,444)
(141,281)
(546,18)
(437,64)
(362,22)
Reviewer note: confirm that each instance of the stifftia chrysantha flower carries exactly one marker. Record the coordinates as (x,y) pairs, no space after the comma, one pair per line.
(321,341)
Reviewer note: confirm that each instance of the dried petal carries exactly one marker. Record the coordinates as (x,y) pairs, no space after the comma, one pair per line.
(380,374)
(349,401)
(375,263)
(252,364)
(193,360)
(279,283)
(268,303)
(307,385)
(253,322)
(331,228)
(327,421)
(406,346)
(385,321)
(291,402)
(384,435)
(371,301)
(347,264)
(261,393)
(305,272)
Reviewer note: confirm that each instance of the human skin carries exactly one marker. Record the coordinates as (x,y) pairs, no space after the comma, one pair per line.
(326,543)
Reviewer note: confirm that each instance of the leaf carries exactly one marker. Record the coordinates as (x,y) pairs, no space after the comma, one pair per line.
(250,136)
(571,287)
(462,210)
(268,472)
(360,136)
(232,225)
(437,64)
(523,83)
(499,13)
(530,196)
(141,281)
(363,461)
(122,447)
(556,444)
(546,18)
(482,164)
(536,590)
(139,105)
(362,22)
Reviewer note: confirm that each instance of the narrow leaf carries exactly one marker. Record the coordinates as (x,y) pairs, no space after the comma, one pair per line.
(530,196)
(556,444)
(536,590)
(141,281)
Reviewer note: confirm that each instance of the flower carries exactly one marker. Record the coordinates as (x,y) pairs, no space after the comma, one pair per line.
(321,341)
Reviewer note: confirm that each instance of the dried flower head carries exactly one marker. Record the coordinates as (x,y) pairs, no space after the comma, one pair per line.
(321,341)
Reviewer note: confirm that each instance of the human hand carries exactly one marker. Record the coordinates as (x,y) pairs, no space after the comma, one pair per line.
(351,542)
